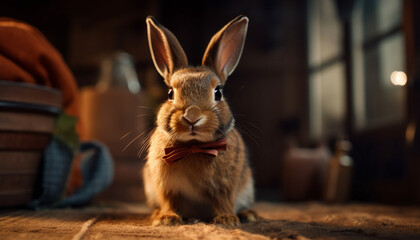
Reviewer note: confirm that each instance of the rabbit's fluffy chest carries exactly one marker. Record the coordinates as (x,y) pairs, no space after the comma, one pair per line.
(179,182)
(190,177)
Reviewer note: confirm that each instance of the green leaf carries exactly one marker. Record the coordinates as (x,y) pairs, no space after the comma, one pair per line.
(65,129)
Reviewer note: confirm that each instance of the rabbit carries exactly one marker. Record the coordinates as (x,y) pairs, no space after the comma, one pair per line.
(216,185)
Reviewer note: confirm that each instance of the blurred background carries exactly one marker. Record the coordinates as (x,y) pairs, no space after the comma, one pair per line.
(326,93)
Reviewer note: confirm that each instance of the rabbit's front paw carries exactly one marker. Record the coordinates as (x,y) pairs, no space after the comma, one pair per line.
(167,219)
(227,220)
(247,215)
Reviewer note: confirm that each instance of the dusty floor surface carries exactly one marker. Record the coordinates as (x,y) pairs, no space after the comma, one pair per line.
(278,221)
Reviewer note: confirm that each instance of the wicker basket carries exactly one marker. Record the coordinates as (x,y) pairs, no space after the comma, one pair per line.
(27,118)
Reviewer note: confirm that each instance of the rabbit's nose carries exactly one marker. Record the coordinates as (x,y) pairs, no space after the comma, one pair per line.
(192,115)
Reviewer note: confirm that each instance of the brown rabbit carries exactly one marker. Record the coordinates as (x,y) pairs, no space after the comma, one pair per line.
(197,161)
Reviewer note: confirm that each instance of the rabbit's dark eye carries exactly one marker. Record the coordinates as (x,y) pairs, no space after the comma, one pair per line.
(218,94)
(171,94)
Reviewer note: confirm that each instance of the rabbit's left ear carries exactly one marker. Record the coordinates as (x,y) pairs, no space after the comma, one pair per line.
(225,47)
(167,53)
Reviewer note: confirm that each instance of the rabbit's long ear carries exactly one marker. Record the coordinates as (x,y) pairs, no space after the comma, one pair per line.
(225,47)
(165,49)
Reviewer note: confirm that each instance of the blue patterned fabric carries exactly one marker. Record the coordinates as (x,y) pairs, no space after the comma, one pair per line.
(96,166)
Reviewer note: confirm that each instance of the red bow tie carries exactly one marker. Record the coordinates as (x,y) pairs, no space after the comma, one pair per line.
(175,153)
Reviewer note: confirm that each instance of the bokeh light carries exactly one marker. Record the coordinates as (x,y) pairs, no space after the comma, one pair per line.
(398,78)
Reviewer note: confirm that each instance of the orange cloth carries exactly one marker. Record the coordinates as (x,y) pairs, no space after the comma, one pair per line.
(27,56)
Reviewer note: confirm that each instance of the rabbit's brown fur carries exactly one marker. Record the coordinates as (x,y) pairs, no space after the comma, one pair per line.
(198,186)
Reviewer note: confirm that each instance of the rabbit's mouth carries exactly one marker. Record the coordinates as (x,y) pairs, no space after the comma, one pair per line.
(195,136)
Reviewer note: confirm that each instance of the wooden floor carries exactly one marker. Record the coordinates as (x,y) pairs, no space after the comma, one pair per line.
(278,221)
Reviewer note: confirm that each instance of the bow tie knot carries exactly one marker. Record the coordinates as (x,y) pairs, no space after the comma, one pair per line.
(175,153)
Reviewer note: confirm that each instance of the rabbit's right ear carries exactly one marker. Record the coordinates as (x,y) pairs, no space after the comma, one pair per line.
(167,53)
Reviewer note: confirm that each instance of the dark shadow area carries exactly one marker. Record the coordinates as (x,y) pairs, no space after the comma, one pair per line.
(282,229)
